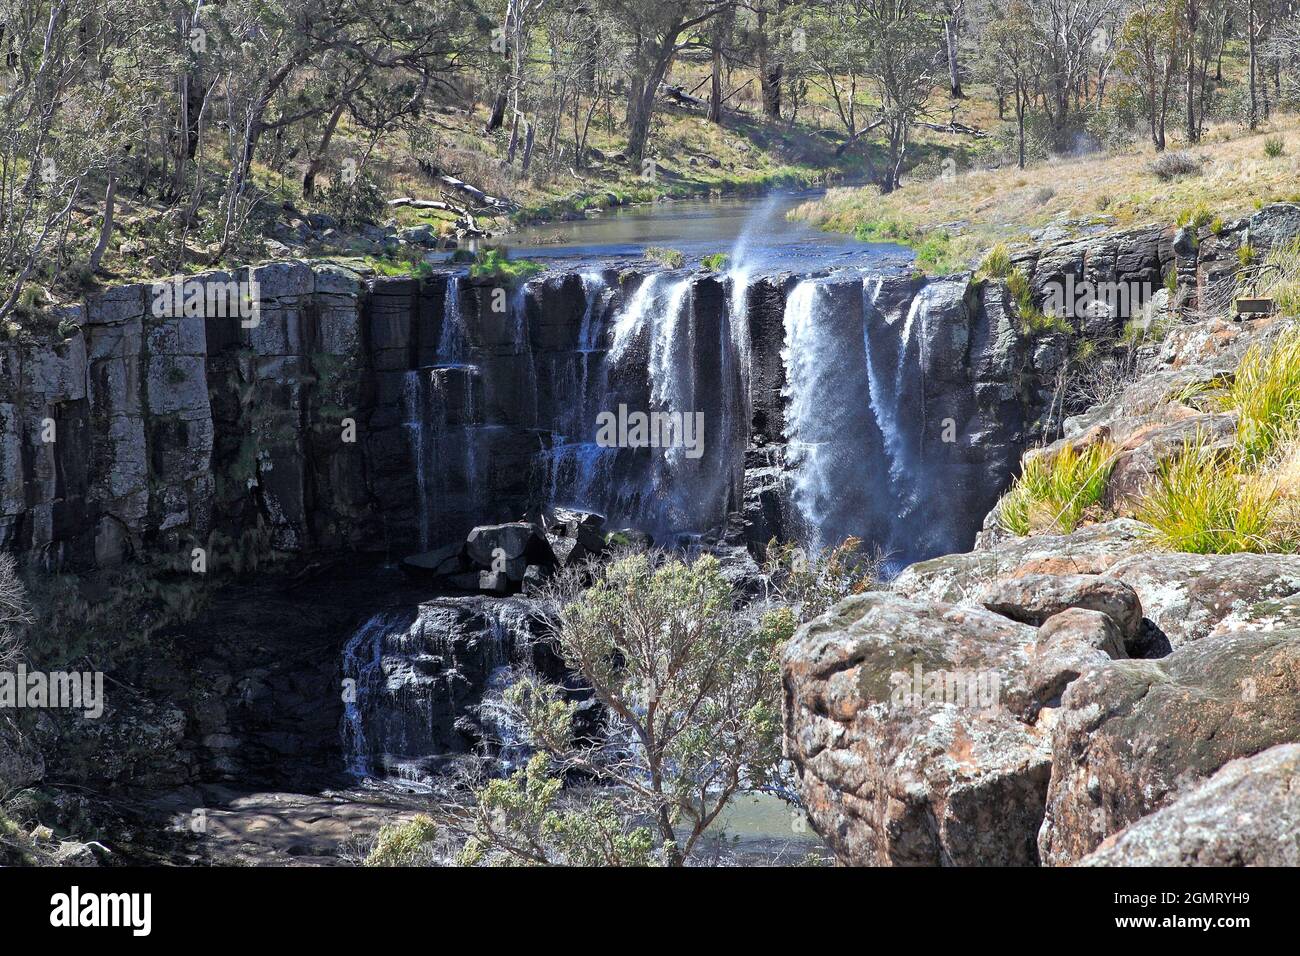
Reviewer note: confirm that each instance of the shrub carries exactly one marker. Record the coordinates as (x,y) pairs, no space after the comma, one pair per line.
(1274,147)
(669,258)
(15,614)
(1053,492)
(1203,504)
(356,203)
(660,645)
(1169,166)
(717,262)
(403,844)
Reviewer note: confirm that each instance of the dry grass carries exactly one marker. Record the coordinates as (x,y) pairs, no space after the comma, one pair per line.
(984,207)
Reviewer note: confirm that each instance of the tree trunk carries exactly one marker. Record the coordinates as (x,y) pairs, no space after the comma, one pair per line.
(954,70)
(769,71)
(715,89)
(318,160)
(106,229)
(1193,128)
(498,115)
(1020,126)
(1250,42)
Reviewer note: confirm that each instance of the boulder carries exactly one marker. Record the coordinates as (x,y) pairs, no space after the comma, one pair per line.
(510,541)
(1089,550)
(441,562)
(1247,814)
(1067,645)
(1188,596)
(1035,598)
(1132,736)
(905,722)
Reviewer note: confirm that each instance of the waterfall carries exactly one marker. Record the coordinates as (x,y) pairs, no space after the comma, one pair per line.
(451,340)
(415,418)
(441,421)
(840,483)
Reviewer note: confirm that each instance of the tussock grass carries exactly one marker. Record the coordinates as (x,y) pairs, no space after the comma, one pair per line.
(1279,276)
(1266,394)
(495,264)
(1052,493)
(997,262)
(1202,503)
(669,258)
(1170,166)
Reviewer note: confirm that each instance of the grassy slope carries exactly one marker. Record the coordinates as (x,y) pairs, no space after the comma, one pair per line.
(980,208)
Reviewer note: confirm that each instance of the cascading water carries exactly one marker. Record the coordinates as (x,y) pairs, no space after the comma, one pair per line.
(452,338)
(441,419)
(426,685)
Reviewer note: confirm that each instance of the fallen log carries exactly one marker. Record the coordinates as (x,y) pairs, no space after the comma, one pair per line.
(957,128)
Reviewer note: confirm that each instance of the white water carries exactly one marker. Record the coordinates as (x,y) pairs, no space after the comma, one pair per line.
(451,340)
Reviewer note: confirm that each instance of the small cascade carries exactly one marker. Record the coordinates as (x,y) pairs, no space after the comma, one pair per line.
(414,421)
(427,686)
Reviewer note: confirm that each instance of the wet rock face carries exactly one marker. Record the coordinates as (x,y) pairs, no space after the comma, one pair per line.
(1247,814)
(1133,736)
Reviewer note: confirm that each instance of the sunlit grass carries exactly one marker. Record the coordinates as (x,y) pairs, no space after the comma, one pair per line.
(1204,502)
(1053,492)
(1266,395)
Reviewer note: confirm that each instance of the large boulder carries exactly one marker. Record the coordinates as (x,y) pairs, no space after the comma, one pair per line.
(509,547)
(1090,550)
(1134,735)
(1034,598)
(1247,814)
(1189,596)
(908,724)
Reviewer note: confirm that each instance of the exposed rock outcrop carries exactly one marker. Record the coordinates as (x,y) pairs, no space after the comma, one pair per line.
(907,720)
(1247,814)
(1133,735)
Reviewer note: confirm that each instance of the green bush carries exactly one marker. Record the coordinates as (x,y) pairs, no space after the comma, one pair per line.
(1274,147)
(403,844)
(717,262)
